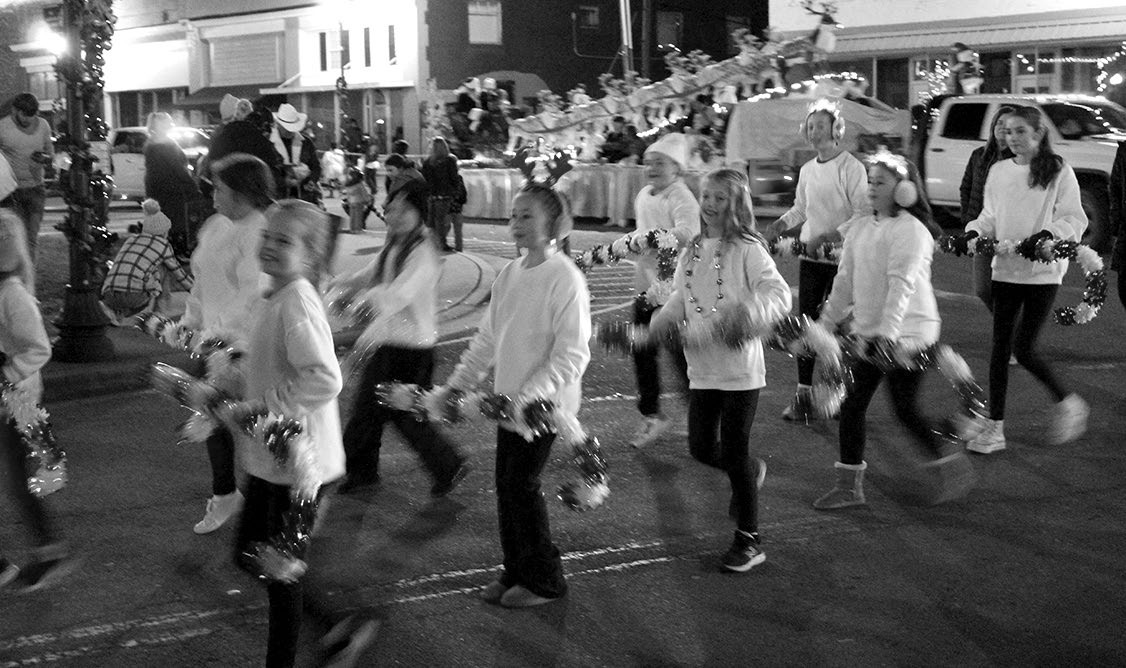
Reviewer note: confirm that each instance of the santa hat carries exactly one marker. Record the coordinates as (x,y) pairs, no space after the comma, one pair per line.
(673,145)
(227,107)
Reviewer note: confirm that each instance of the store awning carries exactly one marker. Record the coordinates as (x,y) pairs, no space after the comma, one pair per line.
(210,96)
(1002,32)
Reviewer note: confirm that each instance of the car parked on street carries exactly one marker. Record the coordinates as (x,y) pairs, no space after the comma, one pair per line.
(127,156)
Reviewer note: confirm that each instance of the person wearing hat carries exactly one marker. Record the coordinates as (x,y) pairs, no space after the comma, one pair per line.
(299,155)
(238,134)
(145,270)
(666,203)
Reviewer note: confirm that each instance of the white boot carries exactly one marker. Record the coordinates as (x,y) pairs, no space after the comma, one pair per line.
(991,439)
(849,490)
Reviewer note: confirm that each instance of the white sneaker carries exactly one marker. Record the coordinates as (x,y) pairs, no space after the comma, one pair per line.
(1069,420)
(219,510)
(967,426)
(991,439)
(651,429)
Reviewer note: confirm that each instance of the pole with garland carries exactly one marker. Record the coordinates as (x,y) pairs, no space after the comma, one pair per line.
(86,191)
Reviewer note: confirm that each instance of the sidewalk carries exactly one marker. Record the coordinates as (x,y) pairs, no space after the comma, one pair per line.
(463,290)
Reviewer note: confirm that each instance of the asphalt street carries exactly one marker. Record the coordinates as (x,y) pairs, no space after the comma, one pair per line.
(1026,571)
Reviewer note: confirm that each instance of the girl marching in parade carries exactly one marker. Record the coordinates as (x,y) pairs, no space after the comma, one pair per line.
(534,336)
(225,267)
(24,349)
(726,269)
(291,371)
(884,281)
(666,203)
(401,288)
(1033,194)
(831,191)
(973,192)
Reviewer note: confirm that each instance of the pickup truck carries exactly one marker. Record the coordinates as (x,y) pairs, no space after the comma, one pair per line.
(1083,129)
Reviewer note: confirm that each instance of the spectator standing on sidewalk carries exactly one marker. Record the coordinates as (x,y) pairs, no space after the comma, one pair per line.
(24,349)
(440,171)
(299,156)
(167,179)
(25,140)
(666,203)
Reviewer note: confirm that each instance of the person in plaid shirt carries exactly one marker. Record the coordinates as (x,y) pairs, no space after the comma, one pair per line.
(145,270)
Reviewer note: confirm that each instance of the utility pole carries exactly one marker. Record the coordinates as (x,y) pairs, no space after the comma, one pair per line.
(627,40)
(88,27)
(646,37)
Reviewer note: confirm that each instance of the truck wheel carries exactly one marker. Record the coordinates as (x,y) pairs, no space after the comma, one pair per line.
(1095,204)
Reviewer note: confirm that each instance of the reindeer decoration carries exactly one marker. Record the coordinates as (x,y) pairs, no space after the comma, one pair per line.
(809,56)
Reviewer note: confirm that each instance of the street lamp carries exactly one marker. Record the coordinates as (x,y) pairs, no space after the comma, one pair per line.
(88,27)
(340,8)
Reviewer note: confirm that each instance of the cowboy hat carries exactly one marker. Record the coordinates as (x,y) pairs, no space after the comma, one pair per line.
(289,118)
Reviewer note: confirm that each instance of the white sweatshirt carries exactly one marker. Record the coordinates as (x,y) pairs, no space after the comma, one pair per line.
(675,209)
(534,334)
(829,194)
(1013,211)
(408,303)
(291,364)
(227,276)
(750,281)
(885,280)
(22,337)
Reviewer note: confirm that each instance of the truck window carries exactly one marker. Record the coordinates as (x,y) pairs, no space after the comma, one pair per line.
(1081,119)
(964,120)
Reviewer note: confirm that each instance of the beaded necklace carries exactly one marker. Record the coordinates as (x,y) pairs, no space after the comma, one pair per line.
(717,256)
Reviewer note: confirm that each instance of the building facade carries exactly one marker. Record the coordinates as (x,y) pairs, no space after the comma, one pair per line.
(1024,46)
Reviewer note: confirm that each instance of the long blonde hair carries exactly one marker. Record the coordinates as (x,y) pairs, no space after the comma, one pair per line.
(11,226)
(739,219)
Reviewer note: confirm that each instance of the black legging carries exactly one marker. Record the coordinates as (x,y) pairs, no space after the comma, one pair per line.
(730,413)
(815,282)
(1122,286)
(903,388)
(1031,304)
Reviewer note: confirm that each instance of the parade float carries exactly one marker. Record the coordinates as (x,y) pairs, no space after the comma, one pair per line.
(751,105)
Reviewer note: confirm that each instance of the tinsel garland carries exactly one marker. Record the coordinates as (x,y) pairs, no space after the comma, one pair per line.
(662,241)
(796,248)
(1045,249)
(530,416)
(46,459)
(278,558)
(223,371)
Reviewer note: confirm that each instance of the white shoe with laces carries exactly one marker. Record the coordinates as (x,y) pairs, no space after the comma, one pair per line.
(219,510)
(991,439)
(651,429)
(1069,420)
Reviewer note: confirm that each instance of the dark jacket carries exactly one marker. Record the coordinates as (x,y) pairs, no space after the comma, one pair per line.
(973,182)
(401,179)
(168,181)
(244,137)
(442,176)
(1118,208)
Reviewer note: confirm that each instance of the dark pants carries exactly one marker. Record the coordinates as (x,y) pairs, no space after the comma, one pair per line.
(645,366)
(983,279)
(815,282)
(733,412)
(530,558)
(31,507)
(363,436)
(903,387)
(1122,286)
(438,218)
(220,451)
(262,517)
(28,204)
(1019,313)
